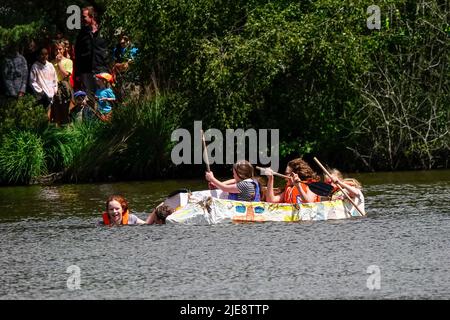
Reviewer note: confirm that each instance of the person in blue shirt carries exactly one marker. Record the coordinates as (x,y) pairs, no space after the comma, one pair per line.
(123,54)
(104,94)
(125,51)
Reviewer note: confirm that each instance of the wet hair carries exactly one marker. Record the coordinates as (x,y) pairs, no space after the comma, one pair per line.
(302,168)
(162,212)
(244,169)
(123,202)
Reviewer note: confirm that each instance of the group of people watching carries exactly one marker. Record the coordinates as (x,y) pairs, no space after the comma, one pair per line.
(245,186)
(70,82)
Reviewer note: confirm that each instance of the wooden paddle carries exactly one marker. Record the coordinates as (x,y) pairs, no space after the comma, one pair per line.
(340,188)
(205,152)
(319,188)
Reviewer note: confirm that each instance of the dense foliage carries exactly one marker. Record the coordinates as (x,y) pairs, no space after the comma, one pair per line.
(313,69)
(360,99)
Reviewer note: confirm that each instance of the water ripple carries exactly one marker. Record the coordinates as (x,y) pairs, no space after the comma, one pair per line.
(405,235)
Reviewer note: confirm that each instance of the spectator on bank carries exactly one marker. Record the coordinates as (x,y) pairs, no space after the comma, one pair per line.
(123,54)
(79,104)
(90,51)
(31,53)
(14,73)
(80,109)
(44,81)
(63,67)
(104,93)
(69,51)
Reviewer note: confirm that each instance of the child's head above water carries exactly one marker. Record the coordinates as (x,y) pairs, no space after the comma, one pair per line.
(116,207)
(161,213)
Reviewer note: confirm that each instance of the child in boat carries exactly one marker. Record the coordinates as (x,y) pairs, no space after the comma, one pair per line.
(159,214)
(337,175)
(117,212)
(294,191)
(242,187)
(351,186)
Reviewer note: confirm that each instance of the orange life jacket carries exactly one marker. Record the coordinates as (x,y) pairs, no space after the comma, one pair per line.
(106,221)
(292,195)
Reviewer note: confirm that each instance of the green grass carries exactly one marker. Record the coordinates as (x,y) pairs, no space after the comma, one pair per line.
(65,146)
(22,157)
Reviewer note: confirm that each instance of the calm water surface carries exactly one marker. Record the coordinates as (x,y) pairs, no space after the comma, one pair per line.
(46,229)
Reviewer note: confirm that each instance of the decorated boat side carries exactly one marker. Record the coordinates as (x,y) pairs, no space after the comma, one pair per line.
(213,207)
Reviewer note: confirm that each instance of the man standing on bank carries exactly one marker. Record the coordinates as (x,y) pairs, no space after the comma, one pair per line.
(90,51)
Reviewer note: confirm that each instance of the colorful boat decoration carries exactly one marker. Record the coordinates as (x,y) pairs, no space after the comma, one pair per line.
(212,207)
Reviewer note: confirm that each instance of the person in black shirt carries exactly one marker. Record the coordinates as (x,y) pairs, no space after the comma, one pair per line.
(90,51)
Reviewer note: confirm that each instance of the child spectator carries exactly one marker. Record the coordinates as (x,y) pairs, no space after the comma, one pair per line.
(77,112)
(44,81)
(63,67)
(104,93)
(62,64)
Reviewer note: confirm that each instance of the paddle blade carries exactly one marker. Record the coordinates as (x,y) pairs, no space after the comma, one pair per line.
(321,188)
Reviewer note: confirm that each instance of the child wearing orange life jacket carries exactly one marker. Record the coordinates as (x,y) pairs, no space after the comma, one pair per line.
(353,189)
(117,212)
(297,169)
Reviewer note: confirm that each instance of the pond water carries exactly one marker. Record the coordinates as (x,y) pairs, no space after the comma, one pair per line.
(49,236)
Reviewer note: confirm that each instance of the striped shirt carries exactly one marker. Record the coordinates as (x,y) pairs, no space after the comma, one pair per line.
(247,190)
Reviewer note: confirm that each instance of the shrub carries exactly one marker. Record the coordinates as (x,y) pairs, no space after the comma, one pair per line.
(22,157)
(21,114)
